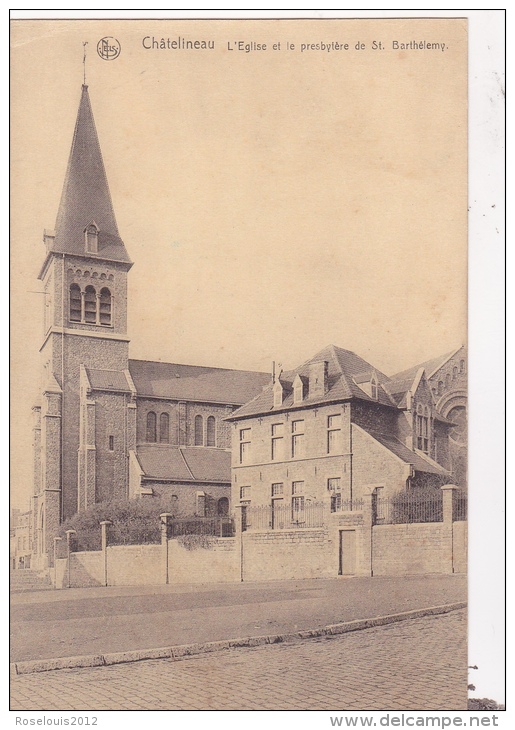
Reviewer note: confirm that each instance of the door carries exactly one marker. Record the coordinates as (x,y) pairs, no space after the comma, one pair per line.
(347,552)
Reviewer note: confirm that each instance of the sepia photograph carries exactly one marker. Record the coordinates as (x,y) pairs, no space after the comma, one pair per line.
(240,365)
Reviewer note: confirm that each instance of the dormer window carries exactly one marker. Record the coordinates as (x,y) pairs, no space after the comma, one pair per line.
(91,238)
(298,389)
(373,387)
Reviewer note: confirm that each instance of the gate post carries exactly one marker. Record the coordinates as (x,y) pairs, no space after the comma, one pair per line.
(165,518)
(104,525)
(69,534)
(448,496)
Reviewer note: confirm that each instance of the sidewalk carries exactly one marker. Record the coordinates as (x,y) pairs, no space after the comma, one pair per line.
(89,621)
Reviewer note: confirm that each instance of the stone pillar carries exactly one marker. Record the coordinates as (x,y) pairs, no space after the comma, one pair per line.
(104,525)
(165,518)
(448,492)
(57,542)
(369,520)
(238,533)
(69,537)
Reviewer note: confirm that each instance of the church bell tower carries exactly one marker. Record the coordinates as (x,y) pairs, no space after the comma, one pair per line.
(85,421)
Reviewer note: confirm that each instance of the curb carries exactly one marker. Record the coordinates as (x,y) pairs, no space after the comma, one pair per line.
(187,650)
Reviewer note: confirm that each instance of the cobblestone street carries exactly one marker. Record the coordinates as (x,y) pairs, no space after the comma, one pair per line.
(418,664)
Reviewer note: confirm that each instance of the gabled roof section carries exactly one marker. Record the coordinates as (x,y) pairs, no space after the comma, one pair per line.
(420,461)
(342,366)
(196,383)
(189,464)
(430,366)
(86,197)
(108,380)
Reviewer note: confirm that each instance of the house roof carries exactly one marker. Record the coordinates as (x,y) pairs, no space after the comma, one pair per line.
(343,365)
(85,197)
(420,462)
(430,366)
(108,380)
(184,463)
(196,383)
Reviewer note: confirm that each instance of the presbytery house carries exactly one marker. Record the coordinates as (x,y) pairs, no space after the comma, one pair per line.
(332,428)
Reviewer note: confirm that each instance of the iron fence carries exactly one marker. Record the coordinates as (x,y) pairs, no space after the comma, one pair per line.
(409,507)
(347,505)
(214,526)
(293,515)
(459,506)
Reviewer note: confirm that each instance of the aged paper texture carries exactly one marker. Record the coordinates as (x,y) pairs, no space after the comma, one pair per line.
(292,195)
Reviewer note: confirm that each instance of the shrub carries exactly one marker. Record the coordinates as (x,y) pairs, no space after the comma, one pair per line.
(135,522)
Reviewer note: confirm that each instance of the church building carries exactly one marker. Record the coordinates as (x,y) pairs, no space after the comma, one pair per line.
(108,427)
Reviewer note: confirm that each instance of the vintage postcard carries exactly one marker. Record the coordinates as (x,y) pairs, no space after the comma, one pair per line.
(239,354)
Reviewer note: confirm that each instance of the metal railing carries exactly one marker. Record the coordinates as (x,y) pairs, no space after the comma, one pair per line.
(292,515)
(460,506)
(214,526)
(409,507)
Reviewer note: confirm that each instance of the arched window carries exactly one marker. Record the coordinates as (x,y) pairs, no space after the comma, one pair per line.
(447,380)
(151,427)
(462,366)
(105,307)
(373,388)
(91,238)
(75,303)
(440,387)
(199,431)
(454,373)
(90,305)
(164,428)
(211,431)
(223,507)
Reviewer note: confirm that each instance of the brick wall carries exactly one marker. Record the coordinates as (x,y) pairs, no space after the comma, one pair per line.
(288,555)
(182,498)
(216,563)
(412,549)
(135,565)
(459,546)
(158,406)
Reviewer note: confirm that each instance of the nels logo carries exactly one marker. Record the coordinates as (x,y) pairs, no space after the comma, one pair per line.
(108,48)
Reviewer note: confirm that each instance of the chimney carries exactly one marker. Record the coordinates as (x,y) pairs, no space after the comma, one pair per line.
(318,378)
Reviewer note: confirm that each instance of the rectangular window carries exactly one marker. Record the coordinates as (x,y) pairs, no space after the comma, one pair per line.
(297,487)
(277,489)
(297,439)
(244,445)
(334,434)
(245,492)
(334,485)
(111,443)
(277,441)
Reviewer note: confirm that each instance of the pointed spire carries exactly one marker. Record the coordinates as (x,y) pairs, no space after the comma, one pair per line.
(85,198)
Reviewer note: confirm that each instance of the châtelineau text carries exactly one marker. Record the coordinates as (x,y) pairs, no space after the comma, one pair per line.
(151,43)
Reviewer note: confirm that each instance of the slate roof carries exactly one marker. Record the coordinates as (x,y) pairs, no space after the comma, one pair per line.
(185,463)
(430,366)
(196,383)
(343,365)
(108,380)
(420,463)
(86,197)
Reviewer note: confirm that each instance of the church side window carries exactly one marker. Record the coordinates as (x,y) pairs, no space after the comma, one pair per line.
(105,307)
(211,431)
(199,431)
(90,305)
(75,303)
(151,427)
(164,428)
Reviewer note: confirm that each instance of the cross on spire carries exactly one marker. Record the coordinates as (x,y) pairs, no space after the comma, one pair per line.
(84,44)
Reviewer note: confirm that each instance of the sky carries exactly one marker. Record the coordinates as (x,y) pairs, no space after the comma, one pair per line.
(273,201)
